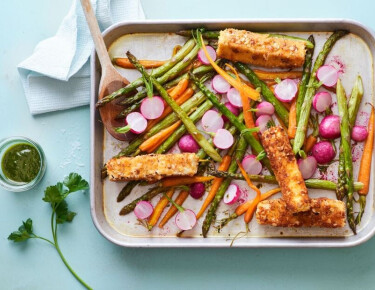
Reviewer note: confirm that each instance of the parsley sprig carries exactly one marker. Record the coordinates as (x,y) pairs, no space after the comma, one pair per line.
(55,195)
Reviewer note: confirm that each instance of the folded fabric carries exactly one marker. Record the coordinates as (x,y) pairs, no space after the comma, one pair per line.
(57,75)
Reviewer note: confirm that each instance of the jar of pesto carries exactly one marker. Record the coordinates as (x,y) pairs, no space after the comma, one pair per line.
(22,163)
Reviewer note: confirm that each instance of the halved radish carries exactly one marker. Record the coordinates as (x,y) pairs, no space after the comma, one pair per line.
(251,164)
(223,139)
(262,122)
(212,121)
(135,123)
(143,209)
(152,108)
(307,166)
(264,108)
(186,220)
(234,97)
(327,75)
(220,85)
(322,101)
(286,90)
(202,57)
(232,194)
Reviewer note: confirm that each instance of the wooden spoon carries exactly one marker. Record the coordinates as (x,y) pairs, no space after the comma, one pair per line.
(111,80)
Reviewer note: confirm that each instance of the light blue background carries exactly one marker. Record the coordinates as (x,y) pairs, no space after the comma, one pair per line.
(65,139)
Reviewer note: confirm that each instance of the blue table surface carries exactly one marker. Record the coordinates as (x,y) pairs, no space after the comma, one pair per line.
(65,139)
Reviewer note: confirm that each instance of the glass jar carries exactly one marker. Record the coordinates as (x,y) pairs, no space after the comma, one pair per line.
(17,186)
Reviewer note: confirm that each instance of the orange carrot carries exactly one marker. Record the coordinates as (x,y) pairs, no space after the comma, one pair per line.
(241,209)
(158,210)
(248,116)
(238,84)
(183,195)
(309,143)
(183,180)
(365,167)
(215,185)
(271,75)
(249,212)
(180,88)
(157,139)
(292,120)
(125,63)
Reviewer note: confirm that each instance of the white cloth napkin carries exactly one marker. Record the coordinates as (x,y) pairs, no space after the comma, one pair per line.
(57,76)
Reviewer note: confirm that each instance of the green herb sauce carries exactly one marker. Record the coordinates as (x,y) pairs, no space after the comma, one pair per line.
(21,162)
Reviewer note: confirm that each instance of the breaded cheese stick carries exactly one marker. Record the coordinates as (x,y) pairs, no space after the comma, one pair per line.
(284,165)
(260,49)
(324,212)
(152,167)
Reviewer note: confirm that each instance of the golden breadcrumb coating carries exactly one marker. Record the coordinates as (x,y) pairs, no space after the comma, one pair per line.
(152,167)
(260,49)
(284,165)
(324,212)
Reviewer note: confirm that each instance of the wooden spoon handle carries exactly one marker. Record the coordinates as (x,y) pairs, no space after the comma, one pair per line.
(96,34)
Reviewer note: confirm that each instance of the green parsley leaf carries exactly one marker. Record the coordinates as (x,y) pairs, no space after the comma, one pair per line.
(24,232)
(75,182)
(55,193)
(63,214)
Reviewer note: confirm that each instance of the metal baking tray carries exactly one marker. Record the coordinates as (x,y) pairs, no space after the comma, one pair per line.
(358,49)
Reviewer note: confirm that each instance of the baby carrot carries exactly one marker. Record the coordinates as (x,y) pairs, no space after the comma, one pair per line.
(176,181)
(158,210)
(250,210)
(241,209)
(365,167)
(268,75)
(309,143)
(156,140)
(173,210)
(292,120)
(215,185)
(125,63)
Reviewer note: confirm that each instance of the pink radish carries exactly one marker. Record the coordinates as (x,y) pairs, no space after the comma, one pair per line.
(202,56)
(251,164)
(223,139)
(323,152)
(264,108)
(212,121)
(286,90)
(359,133)
(197,190)
(234,97)
(262,122)
(231,108)
(329,127)
(186,220)
(322,101)
(143,209)
(327,75)
(135,123)
(220,85)
(307,166)
(232,194)
(152,108)
(188,144)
